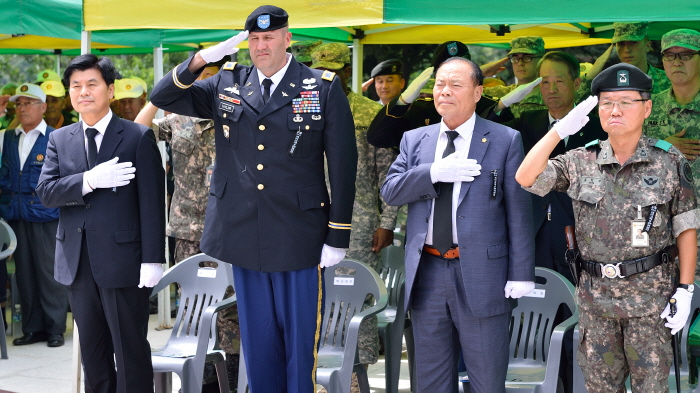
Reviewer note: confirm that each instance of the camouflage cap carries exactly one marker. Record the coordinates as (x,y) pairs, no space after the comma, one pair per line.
(630,31)
(302,50)
(621,76)
(527,45)
(53,88)
(685,38)
(331,56)
(47,75)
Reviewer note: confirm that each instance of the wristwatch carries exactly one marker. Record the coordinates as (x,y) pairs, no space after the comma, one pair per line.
(687,287)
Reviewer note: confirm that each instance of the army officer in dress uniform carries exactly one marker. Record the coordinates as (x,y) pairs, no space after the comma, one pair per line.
(269,213)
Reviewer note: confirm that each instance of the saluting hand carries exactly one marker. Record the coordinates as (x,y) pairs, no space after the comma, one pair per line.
(576,119)
(413,90)
(519,93)
(228,47)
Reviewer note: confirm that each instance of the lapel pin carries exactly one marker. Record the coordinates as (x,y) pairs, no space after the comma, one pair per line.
(292,85)
(250,93)
(483,140)
(284,94)
(247,84)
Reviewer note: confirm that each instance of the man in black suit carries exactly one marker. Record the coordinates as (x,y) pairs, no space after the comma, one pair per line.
(111,231)
(269,213)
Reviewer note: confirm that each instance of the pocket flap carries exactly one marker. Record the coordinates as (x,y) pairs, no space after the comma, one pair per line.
(314,197)
(60,233)
(218,184)
(182,145)
(497,250)
(132,235)
(230,111)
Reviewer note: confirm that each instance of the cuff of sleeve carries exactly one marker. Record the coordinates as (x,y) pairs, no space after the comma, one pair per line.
(388,217)
(86,187)
(684,221)
(544,182)
(182,77)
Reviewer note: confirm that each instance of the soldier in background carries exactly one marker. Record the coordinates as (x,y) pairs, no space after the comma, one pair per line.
(524,55)
(388,80)
(193,153)
(373,221)
(7,114)
(631,41)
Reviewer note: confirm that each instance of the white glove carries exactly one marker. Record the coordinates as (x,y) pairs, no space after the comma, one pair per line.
(228,47)
(576,119)
(110,174)
(454,168)
(150,274)
(677,322)
(518,289)
(331,256)
(519,93)
(413,90)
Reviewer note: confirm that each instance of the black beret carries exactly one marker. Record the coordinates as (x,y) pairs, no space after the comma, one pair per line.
(450,49)
(388,67)
(621,76)
(266,18)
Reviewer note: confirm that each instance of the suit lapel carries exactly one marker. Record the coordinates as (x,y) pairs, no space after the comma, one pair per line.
(291,77)
(250,91)
(77,147)
(428,144)
(477,150)
(110,140)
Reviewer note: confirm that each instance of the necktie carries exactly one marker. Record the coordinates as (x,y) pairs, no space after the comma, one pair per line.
(267,82)
(442,212)
(551,125)
(91,147)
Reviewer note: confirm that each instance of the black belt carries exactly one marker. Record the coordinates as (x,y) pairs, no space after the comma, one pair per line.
(627,268)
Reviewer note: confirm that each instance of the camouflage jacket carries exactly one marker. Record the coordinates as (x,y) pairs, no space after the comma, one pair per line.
(369,210)
(668,117)
(192,142)
(606,196)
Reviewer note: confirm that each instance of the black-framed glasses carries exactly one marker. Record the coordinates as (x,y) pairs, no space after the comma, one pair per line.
(622,104)
(685,56)
(524,59)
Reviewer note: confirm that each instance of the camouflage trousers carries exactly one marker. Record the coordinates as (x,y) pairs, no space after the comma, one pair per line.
(227,320)
(610,349)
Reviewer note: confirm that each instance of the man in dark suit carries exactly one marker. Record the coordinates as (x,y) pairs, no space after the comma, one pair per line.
(111,231)
(466,228)
(269,213)
(559,72)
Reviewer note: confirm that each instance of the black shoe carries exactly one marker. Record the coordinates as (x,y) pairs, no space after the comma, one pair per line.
(31,338)
(56,340)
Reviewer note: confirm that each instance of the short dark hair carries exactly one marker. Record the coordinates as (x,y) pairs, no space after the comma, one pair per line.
(568,60)
(88,61)
(477,75)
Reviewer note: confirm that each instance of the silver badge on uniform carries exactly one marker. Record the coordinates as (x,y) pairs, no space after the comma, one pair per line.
(309,81)
(309,87)
(316,117)
(297,119)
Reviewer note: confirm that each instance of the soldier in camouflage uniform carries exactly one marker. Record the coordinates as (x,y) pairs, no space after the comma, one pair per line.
(524,54)
(616,185)
(302,50)
(193,150)
(632,44)
(373,221)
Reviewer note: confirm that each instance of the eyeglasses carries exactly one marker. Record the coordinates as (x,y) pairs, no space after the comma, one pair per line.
(18,105)
(623,104)
(685,56)
(524,59)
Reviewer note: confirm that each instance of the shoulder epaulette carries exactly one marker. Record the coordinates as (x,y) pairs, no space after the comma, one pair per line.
(229,65)
(592,143)
(663,145)
(328,75)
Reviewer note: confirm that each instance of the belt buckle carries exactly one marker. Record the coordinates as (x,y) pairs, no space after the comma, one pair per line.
(611,270)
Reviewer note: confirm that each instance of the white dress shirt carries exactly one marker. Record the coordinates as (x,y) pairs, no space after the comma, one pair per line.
(27,139)
(276,78)
(462,145)
(101,127)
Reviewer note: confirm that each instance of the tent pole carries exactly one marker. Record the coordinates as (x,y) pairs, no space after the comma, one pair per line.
(85,42)
(357,56)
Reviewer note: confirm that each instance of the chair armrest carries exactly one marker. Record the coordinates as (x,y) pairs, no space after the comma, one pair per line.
(555,348)
(356,321)
(208,320)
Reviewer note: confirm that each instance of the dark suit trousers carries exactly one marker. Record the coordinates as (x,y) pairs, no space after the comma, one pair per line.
(113,323)
(443,323)
(44,300)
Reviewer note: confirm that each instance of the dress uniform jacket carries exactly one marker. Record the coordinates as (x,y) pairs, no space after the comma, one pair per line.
(269,209)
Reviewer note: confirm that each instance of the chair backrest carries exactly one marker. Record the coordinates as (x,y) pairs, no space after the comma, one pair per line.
(393,273)
(200,287)
(347,284)
(682,335)
(8,240)
(532,321)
